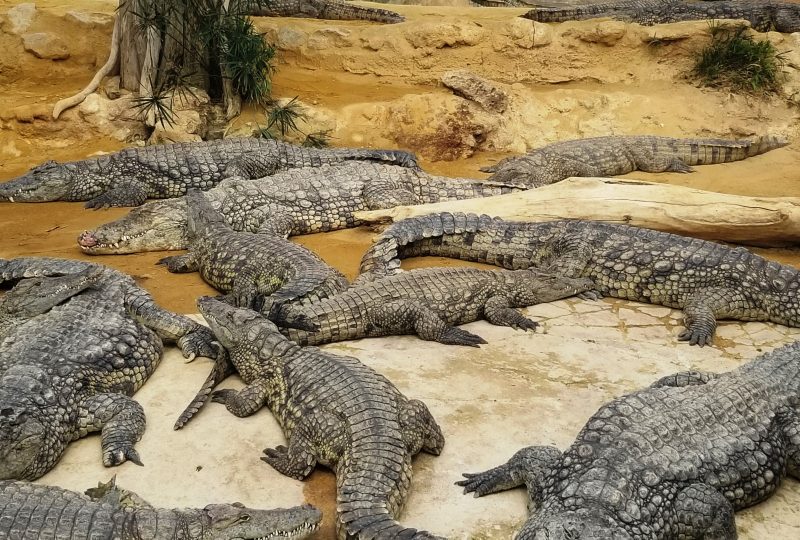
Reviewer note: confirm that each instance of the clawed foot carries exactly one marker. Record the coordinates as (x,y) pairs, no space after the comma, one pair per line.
(106,200)
(175,264)
(696,336)
(592,295)
(523,323)
(198,342)
(118,454)
(457,336)
(479,484)
(222,396)
(278,459)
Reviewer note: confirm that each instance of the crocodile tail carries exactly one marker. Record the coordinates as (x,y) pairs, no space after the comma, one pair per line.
(765,143)
(401,158)
(348,12)
(383,258)
(710,151)
(221,370)
(556,13)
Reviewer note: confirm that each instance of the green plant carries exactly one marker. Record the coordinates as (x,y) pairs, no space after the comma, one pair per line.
(734,59)
(282,120)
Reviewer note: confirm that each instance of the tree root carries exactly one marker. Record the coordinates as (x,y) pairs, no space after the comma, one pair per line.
(78,98)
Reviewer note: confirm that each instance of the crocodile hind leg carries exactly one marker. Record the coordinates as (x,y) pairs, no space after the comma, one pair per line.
(245,402)
(316,433)
(702,310)
(420,430)
(403,316)
(654,163)
(382,195)
(527,467)
(703,512)
(121,422)
(789,420)
(498,311)
(129,193)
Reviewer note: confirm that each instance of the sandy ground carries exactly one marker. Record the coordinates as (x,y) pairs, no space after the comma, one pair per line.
(519,389)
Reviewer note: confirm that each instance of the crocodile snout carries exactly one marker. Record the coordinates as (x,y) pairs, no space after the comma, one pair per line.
(87,239)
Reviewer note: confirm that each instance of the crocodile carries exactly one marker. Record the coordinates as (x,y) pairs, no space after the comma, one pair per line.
(322,9)
(613,155)
(763,15)
(674,460)
(70,371)
(132,175)
(258,271)
(427,302)
(708,281)
(334,411)
(297,201)
(35,296)
(34,511)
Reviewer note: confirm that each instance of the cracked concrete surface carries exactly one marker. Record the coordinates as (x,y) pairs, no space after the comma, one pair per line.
(520,389)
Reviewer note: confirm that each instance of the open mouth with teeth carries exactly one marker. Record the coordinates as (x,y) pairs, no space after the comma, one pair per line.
(302,531)
(92,243)
(89,242)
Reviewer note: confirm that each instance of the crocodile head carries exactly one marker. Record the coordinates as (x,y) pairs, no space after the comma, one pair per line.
(23,438)
(531,172)
(232,325)
(552,287)
(583,524)
(49,181)
(155,226)
(237,522)
(34,296)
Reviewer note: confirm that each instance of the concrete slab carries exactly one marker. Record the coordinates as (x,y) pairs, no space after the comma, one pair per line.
(518,390)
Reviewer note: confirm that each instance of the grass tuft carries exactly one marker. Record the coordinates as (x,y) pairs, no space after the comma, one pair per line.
(735,60)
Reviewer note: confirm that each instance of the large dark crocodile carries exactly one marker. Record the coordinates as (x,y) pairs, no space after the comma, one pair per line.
(258,271)
(427,302)
(763,15)
(297,201)
(334,411)
(613,155)
(70,371)
(708,281)
(34,296)
(674,460)
(323,9)
(132,175)
(33,511)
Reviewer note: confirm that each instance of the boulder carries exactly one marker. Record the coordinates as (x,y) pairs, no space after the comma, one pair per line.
(44,45)
(20,17)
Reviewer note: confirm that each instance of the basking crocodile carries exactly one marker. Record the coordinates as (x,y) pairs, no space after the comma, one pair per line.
(34,511)
(427,302)
(763,15)
(708,281)
(297,201)
(259,271)
(334,411)
(323,9)
(70,371)
(132,175)
(674,460)
(34,296)
(613,155)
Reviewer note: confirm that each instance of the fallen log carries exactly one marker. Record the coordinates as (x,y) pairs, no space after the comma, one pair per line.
(757,221)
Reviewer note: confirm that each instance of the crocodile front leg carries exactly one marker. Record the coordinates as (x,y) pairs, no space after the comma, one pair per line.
(245,402)
(181,264)
(528,466)
(403,316)
(703,512)
(498,311)
(684,378)
(192,338)
(701,311)
(121,421)
(316,434)
(130,193)
(420,430)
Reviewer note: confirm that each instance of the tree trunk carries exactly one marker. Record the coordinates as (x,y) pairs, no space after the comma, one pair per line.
(758,221)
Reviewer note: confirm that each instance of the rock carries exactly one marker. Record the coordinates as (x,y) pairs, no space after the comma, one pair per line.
(437,35)
(329,38)
(44,45)
(21,16)
(289,39)
(189,121)
(114,118)
(470,86)
(605,32)
(527,34)
(111,88)
(90,20)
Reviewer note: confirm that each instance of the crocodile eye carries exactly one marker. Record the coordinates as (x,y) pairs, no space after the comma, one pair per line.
(244,517)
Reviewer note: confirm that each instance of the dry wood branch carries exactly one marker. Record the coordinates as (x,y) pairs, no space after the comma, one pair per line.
(760,221)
